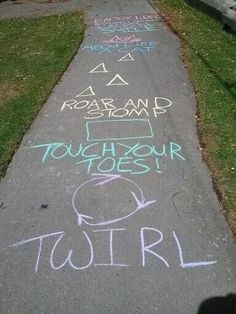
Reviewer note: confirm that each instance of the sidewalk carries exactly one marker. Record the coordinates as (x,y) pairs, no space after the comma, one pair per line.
(35,8)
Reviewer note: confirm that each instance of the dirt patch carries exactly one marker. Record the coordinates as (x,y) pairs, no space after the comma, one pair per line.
(10,91)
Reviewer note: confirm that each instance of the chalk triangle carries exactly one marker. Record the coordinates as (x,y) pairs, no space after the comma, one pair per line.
(87,92)
(115,37)
(127,57)
(99,69)
(117,80)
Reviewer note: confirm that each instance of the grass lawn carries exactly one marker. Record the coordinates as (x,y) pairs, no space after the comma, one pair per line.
(210,54)
(33,55)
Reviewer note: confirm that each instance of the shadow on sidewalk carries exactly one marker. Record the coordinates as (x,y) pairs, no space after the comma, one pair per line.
(219,305)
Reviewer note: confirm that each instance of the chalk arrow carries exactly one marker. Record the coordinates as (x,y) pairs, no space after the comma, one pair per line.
(81,219)
(106,178)
(142,203)
(100,180)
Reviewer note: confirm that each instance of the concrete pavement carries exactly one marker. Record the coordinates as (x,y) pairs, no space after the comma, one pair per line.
(107,206)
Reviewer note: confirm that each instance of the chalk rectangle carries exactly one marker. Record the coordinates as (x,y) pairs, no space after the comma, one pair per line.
(118,129)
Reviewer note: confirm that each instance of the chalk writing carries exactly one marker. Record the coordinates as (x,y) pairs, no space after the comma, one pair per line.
(148,250)
(118,129)
(126,47)
(111,262)
(137,18)
(40,238)
(107,108)
(121,40)
(192,264)
(108,157)
(104,179)
(128,27)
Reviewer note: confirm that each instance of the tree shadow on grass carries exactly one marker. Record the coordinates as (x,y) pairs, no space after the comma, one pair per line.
(230,86)
(205,8)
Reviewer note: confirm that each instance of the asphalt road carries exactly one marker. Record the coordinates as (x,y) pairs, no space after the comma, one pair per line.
(33,8)
(107,206)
